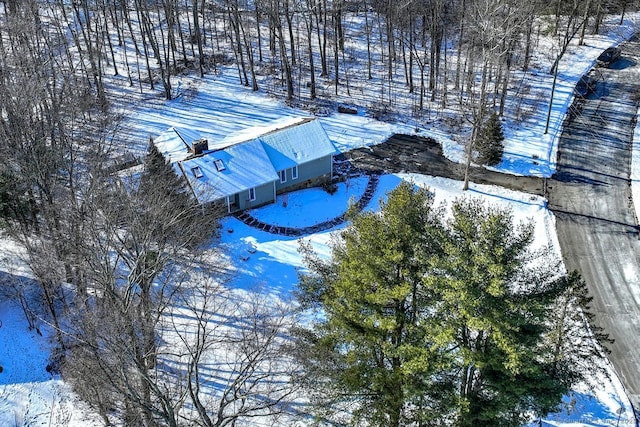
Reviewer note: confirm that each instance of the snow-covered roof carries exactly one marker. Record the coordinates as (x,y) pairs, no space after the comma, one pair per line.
(175,143)
(245,160)
(296,144)
(231,170)
(257,131)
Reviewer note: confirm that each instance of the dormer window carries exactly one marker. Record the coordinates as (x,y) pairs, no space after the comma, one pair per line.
(197,172)
(219,165)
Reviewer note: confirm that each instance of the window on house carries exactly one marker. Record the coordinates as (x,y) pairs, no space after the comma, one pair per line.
(252,194)
(219,165)
(197,172)
(283,175)
(294,172)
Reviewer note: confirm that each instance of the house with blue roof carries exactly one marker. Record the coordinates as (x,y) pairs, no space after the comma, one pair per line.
(251,168)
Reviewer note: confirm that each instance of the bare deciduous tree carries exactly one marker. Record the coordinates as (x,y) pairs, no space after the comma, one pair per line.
(237,342)
(142,230)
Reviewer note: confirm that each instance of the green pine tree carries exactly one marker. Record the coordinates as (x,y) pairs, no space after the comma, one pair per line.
(159,176)
(168,207)
(374,348)
(489,144)
(495,295)
(435,321)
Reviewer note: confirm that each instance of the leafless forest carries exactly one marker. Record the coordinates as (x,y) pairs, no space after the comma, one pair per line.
(435,50)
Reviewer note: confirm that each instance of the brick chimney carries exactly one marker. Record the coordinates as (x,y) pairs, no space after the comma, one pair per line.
(199,146)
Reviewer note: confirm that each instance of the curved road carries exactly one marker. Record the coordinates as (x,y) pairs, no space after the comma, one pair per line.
(590,196)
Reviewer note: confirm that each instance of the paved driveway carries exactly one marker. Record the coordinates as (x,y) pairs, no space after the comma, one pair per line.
(590,196)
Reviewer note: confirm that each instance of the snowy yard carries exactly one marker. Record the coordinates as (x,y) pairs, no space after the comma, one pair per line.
(217,107)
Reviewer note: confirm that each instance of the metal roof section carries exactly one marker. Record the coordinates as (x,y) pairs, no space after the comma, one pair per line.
(257,131)
(245,160)
(229,171)
(296,144)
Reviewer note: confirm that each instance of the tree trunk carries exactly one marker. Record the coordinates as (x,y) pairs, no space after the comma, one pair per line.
(285,61)
(459,55)
(258,33)
(368,32)
(312,72)
(288,16)
(336,67)
(198,35)
(478,119)
(249,49)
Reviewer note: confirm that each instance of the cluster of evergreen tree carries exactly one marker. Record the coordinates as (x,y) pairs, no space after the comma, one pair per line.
(434,319)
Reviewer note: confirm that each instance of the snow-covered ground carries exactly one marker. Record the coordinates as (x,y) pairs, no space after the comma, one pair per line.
(29,395)
(217,107)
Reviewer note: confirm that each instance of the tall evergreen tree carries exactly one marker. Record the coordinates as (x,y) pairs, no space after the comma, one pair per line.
(495,295)
(489,144)
(374,348)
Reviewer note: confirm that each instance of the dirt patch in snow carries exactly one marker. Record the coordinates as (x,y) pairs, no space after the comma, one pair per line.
(416,154)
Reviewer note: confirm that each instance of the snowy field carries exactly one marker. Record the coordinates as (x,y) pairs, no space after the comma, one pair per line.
(217,107)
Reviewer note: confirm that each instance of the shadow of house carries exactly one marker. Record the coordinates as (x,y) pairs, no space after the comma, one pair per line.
(251,168)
